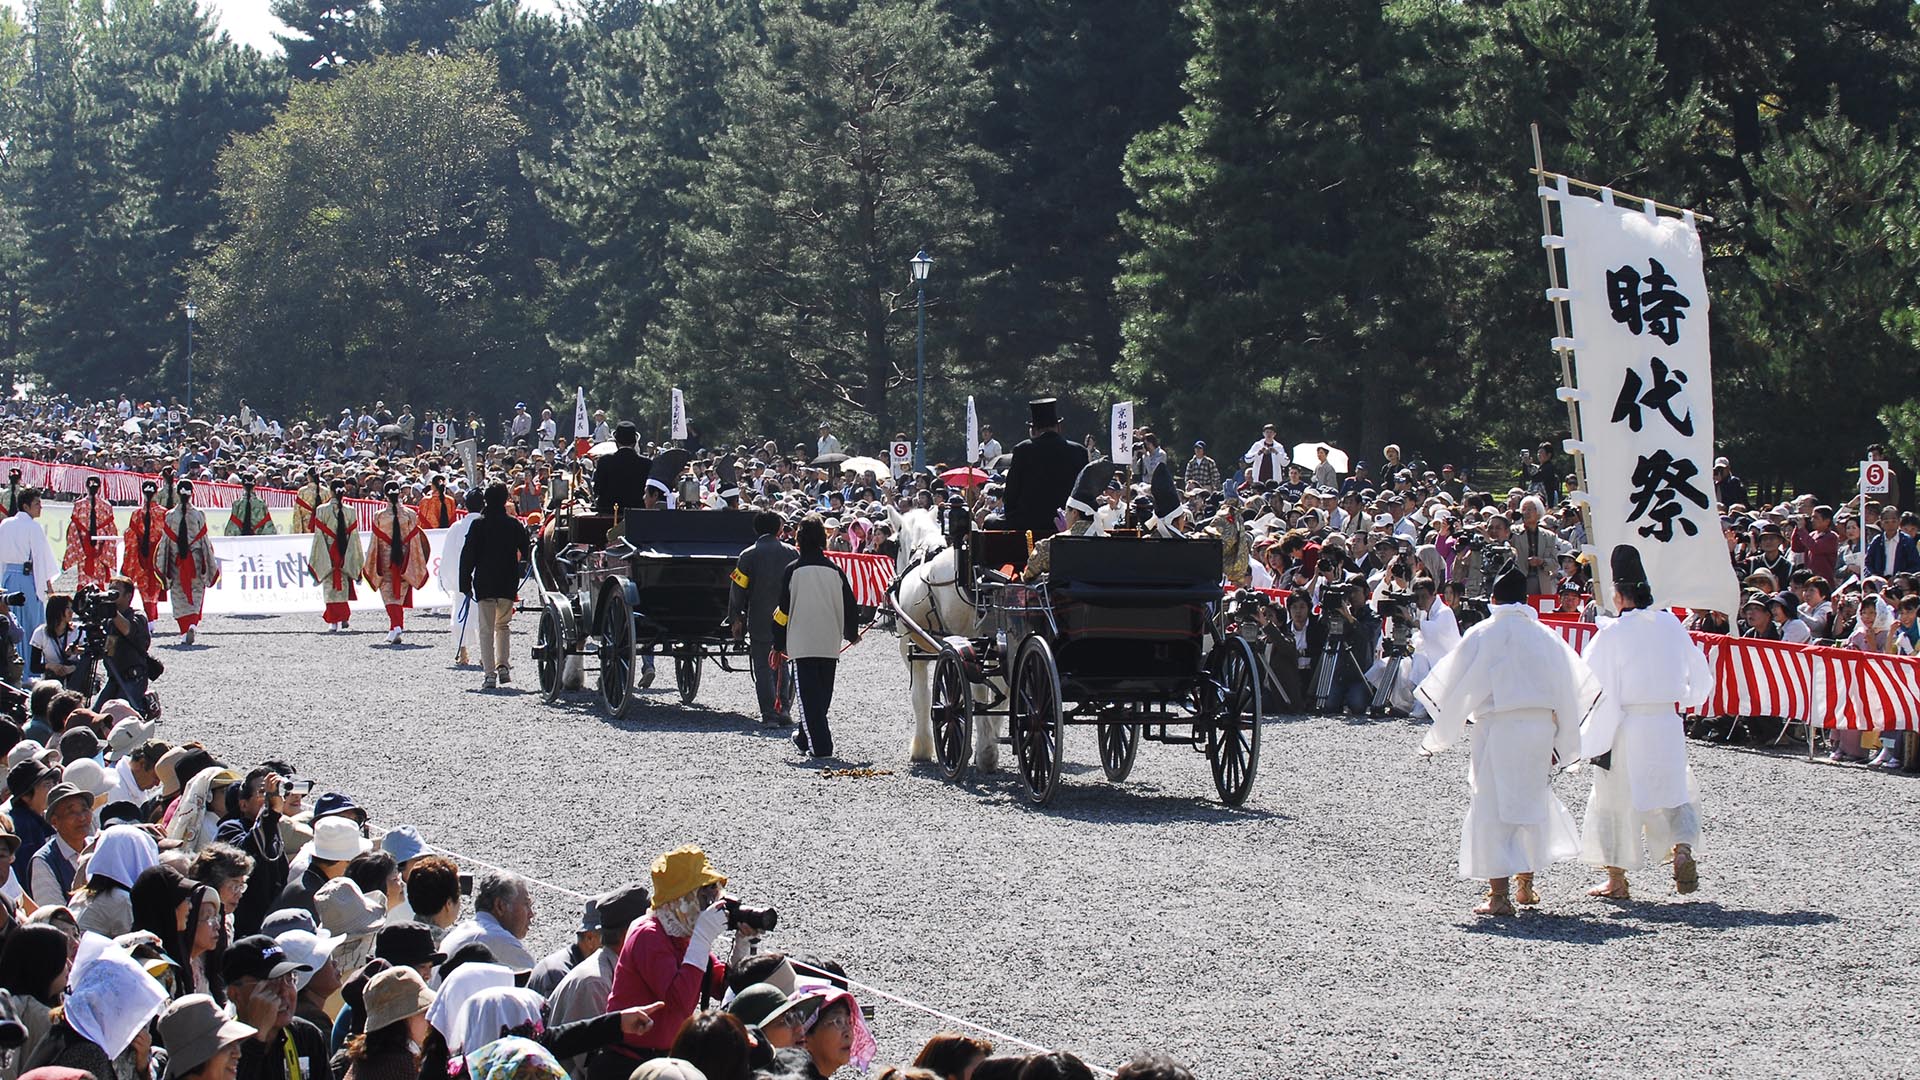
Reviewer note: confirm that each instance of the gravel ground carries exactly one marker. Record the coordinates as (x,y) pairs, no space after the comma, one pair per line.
(1319,931)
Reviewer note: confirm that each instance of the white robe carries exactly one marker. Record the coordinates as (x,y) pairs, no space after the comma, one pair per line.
(463,608)
(23,540)
(1526,691)
(1647,666)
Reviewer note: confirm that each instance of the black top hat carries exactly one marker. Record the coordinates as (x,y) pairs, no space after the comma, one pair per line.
(1626,565)
(1166,497)
(1089,484)
(1044,413)
(729,479)
(667,467)
(1510,587)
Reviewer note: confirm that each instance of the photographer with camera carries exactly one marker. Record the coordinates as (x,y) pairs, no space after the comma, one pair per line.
(55,649)
(667,956)
(127,663)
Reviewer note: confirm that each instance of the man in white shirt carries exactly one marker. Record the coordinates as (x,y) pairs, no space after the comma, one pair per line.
(989,446)
(522,424)
(502,912)
(827,444)
(602,430)
(549,430)
(27,563)
(1267,459)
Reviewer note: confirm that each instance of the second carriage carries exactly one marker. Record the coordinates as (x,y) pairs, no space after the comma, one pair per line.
(649,583)
(1119,633)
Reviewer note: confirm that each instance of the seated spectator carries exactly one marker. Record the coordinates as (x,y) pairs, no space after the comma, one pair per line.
(396,1028)
(953,1056)
(1058,1065)
(224,869)
(554,966)
(433,892)
(835,1038)
(33,978)
(346,912)
(251,824)
(104,904)
(70,813)
(30,782)
(377,872)
(502,912)
(321,977)
(102,1027)
(260,980)
(409,945)
(202,1044)
(716,1043)
(1149,1065)
(336,842)
(582,993)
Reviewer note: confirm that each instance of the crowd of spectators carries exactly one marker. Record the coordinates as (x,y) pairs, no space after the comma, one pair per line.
(165,915)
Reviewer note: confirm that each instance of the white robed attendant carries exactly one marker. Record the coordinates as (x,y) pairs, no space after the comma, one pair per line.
(463,605)
(1648,668)
(27,565)
(1526,691)
(1437,635)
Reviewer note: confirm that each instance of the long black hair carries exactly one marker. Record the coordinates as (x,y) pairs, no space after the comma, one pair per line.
(33,956)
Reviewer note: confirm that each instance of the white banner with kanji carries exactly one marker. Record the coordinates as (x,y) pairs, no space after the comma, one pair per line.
(268,575)
(1637,290)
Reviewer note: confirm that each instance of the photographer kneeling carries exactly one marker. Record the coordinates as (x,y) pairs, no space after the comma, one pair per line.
(128,639)
(55,648)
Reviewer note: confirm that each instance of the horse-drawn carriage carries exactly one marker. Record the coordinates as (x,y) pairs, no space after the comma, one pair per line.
(654,583)
(1118,633)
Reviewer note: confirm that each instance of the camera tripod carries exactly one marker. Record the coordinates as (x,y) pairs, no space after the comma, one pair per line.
(1399,647)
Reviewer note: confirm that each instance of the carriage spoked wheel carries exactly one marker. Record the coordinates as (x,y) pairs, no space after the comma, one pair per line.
(1233,721)
(616,654)
(686,676)
(1119,743)
(952,714)
(1039,730)
(549,654)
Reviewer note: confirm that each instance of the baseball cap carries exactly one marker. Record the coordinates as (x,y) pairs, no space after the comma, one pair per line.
(332,802)
(258,956)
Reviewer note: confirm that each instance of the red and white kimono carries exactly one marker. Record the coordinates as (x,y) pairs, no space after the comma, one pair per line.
(138,547)
(305,500)
(335,558)
(396,561)
(185,559)
(90,534)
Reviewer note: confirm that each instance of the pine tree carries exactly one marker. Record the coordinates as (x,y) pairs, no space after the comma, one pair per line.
(852,141)
(326,35)
(427,25)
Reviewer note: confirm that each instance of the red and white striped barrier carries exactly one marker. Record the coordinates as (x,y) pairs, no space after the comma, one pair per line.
(869,574)
(123,487)
(1814,684)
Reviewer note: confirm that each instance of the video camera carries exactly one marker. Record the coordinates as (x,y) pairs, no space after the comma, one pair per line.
(1401,609)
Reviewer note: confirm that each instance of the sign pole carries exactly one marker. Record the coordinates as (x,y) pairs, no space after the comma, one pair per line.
(1556,298)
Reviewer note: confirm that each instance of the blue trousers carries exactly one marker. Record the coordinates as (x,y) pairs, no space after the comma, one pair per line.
(15,577)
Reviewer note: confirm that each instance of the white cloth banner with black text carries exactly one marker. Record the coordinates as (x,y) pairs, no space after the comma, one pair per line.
(268,575)
(1638,293)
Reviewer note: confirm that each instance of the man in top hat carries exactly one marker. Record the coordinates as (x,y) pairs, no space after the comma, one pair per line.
(185,560)
(396,561)
(1043,471)
(249,515)
(89,531)
(1087,489)
(620,478)
(306,501)
(1526,691)
(335,558)
(1645,663)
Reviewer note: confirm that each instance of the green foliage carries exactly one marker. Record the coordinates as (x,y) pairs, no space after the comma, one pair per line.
(852,143)
(426,25)
(326,35)
(365,218)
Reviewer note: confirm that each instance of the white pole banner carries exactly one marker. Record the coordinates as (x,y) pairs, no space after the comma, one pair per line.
(580,428)
(679,416)
(1638,294)
(470,460)
(1121,434)
(973,433)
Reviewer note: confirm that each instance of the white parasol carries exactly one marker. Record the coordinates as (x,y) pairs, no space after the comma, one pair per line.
(858,465)
(1306,455)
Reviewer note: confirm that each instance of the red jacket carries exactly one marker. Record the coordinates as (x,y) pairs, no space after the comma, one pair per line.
(649,970)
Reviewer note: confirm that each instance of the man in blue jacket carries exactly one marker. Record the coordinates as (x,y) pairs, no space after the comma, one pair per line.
(1904,558)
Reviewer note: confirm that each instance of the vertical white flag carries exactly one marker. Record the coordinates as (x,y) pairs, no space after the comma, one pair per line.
(679,416)
(580,428)
(1637,289)
(1121,435)
(973,433)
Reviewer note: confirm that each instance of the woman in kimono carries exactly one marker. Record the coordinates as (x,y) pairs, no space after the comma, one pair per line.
(249,515)
(1648,668)
(335,558)
(141,542)
(89,535)
(305,500)
(397,560)
(1526,691)
(185,560)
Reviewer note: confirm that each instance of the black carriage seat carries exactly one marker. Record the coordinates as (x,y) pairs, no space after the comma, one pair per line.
(1132,609)
(682,565)
(991,549)
(590,530)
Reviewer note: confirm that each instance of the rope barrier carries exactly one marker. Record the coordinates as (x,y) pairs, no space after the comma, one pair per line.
(997,1036)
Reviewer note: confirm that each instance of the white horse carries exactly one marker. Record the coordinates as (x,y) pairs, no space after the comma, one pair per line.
(930,594)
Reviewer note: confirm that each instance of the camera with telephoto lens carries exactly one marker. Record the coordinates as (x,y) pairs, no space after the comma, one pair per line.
(1399,608)
(14,599)
(760,920)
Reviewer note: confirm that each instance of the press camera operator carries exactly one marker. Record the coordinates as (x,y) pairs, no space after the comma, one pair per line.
(126,661)
(11,640)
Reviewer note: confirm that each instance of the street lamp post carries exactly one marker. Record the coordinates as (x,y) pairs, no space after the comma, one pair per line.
(921,263)
(193,310)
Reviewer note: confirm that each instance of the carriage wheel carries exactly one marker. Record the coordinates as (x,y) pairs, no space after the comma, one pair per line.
(1233,725)
(952,713)
(616,654)
(1039,731)
(1119,743)
(549,654)
(686,676)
